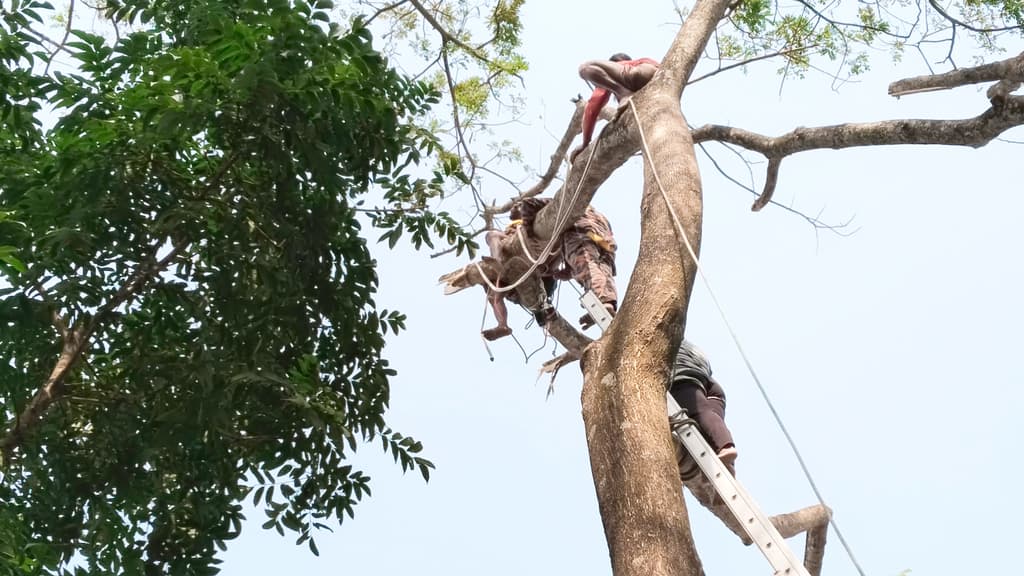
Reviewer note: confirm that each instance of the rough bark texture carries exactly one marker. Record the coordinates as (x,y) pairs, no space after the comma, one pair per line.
(1009,69)
(974,132)
(634,464)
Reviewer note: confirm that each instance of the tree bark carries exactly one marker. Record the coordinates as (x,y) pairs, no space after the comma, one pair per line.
(636,474)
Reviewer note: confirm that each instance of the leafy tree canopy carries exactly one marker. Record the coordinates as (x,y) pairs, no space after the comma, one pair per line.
(187,305)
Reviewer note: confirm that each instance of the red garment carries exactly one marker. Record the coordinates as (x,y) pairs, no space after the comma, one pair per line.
(599,98)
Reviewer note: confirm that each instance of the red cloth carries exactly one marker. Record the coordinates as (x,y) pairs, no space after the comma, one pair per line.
(599,98)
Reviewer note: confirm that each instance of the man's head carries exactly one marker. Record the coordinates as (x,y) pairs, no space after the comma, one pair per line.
(619,57)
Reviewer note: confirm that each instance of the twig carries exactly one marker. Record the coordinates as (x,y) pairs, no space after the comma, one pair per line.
(454,248)
(63,41)
(446,36)
(55,318)
(380,11)
(556,158)
(459,135)
(750,61)
(947,16)
(838,24)
(814,221)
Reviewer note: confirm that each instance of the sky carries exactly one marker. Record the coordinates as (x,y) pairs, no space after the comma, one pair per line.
(890,354)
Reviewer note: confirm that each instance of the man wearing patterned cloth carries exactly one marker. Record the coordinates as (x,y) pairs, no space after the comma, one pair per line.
(584,252)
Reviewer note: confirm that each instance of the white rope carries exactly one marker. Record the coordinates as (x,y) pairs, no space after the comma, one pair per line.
(560,219)
(522,243)
(746,360)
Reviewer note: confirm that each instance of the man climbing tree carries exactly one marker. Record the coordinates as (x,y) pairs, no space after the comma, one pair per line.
(585,252)
(703,398)
(619,75)
(625,371)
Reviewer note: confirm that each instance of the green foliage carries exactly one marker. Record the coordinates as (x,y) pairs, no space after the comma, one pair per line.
(191,210)
(838,37)
(1012,10)
(479,72)
(471,95)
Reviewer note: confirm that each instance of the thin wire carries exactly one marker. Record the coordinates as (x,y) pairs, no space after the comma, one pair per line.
(750,367)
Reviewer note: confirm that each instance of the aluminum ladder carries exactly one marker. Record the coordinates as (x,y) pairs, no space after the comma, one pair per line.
(755,524)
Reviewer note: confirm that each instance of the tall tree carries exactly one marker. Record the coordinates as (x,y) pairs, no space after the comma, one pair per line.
(187,310)
(625,371)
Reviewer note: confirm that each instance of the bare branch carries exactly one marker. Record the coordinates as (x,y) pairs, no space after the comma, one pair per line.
(63,41)
(974,132)
(721,68)
(555,163)
(771,179)
(554,365)
(380,11)
(814,221)
(1011,69)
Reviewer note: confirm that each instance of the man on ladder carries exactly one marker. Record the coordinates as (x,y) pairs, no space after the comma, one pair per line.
(703,398)
(691,378)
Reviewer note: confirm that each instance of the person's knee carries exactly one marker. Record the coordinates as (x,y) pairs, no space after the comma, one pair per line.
(590,69)
(604,74)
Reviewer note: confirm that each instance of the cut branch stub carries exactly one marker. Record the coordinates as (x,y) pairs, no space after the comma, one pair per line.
(771,179)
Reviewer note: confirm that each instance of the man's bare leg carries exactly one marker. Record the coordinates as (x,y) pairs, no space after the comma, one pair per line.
(621,80)
(606,74)
(497,301)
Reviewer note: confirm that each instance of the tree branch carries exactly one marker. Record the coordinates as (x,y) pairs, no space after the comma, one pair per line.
(77,339)
(974,132)
(63,41)
(1011,69)
(380,11)
(55,318)
(721,69)
(555,163)
(51,391)
(947,16)
(688,46)
(446,36)
(771,179)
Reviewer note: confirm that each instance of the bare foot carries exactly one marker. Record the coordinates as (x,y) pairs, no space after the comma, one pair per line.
(496,332)
(728,457)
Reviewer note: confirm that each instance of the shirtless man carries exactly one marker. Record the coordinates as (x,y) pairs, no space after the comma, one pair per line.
(619,75)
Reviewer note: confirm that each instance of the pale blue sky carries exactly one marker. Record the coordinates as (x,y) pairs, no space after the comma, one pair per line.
(891,355)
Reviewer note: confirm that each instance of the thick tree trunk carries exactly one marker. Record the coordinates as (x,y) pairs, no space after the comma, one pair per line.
(625,373)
